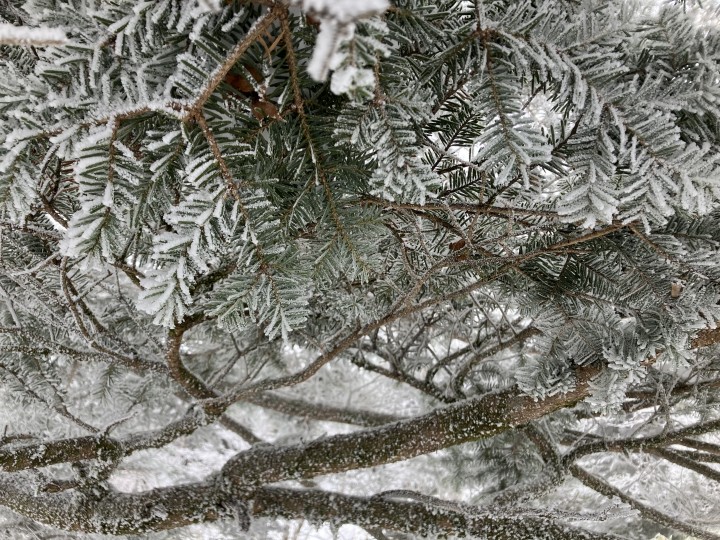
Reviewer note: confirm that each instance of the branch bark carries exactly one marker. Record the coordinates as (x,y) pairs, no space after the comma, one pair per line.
(412,517)
(168,508)
(172,507)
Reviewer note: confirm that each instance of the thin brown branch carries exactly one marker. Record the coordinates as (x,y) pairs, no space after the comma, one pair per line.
(686,463)
(481,208)
(255,33)
(639,443)
(701,445)
(217,154)
(326,413)
(464,370)
(240,430)
(702,457)
(130,362)
(399,313)
(400,376)
(604,488)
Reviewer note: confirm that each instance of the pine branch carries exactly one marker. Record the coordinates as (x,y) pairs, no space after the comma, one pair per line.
(260,26)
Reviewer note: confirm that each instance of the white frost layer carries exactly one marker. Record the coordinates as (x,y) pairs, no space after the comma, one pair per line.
(348,77)
(212,6)
(344,11)
(332,34)
(24,35)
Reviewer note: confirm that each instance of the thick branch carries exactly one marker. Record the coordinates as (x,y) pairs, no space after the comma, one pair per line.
(29,456)
(470,420)
(166,508)
(412,517)
(17,457)
(116,513)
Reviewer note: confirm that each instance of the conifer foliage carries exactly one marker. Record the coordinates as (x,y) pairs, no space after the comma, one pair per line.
(489,228)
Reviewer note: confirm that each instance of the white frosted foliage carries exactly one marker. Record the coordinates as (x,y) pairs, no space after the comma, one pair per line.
(401,269)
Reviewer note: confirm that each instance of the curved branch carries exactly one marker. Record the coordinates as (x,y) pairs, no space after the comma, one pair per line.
(183,376)
(475,359)
(193,385)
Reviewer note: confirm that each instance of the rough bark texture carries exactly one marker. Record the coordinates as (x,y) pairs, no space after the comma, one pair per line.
(411,517)
(167,508)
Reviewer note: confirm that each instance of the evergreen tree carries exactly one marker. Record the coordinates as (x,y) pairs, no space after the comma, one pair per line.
(488,228)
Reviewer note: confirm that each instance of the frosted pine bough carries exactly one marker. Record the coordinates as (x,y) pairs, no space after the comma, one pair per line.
(226,224)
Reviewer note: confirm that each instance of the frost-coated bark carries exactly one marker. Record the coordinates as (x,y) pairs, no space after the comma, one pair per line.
(237,482)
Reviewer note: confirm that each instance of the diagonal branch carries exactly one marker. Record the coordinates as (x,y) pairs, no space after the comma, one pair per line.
(470,420)
(638,443)
(257,30)
(327,413)
(604,488)
(687,463)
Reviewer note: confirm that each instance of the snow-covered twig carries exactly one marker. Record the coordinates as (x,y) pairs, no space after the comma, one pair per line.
(25,35)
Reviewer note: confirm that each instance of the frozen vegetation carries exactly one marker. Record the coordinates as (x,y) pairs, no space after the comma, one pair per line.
(359,270)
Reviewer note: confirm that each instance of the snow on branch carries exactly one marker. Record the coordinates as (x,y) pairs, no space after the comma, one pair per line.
(337,26)
(343,10)
(24,35)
